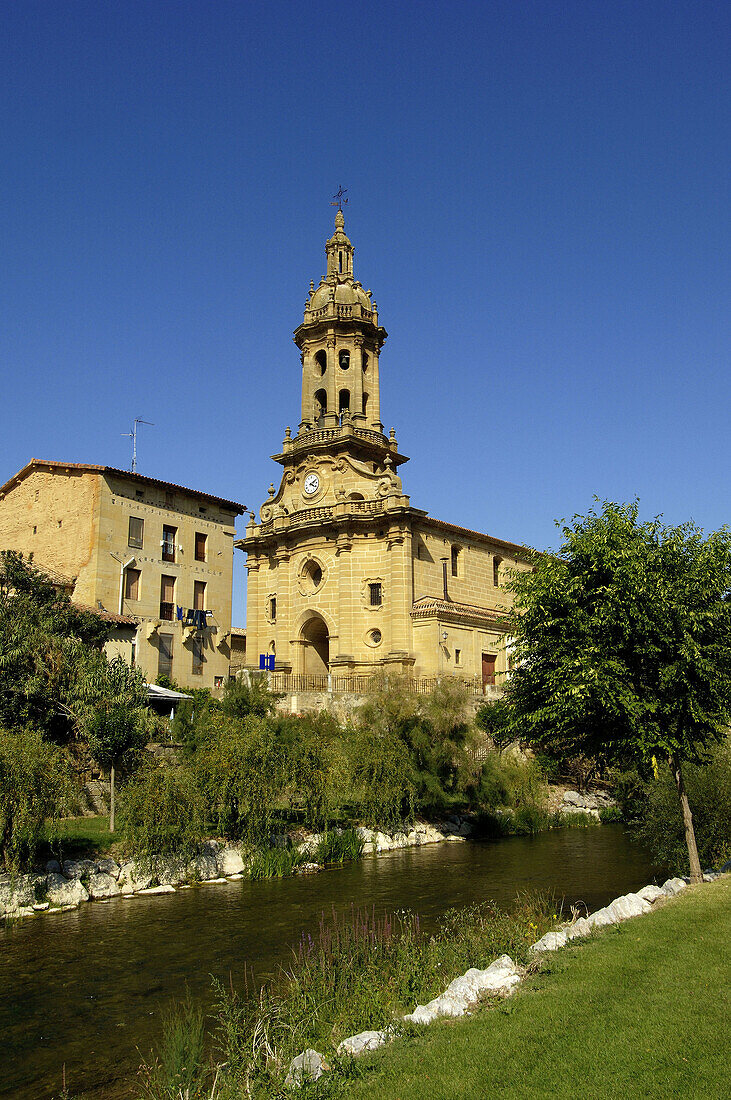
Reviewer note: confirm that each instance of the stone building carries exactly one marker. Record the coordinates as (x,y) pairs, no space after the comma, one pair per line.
(155,557)
(344,575)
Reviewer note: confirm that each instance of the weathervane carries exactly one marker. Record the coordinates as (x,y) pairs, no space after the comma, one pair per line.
(341,202)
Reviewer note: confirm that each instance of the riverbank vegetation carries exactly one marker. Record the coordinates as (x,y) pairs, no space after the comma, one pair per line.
(359,971)
(641,1009)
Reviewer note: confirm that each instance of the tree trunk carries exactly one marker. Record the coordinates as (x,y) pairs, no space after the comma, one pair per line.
(696,875)
(111,800)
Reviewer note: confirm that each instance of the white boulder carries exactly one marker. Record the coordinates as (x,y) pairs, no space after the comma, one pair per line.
(500,977)
(230,862)
(673,886)
(651,893)
(550,942)
(108,867)
(102,885)
(63,891)
(75,868)
(629,905)
(364,1041)
(133,878)
(578,929)
(307,1066)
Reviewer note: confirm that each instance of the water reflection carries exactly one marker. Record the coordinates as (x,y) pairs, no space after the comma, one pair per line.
(87,987)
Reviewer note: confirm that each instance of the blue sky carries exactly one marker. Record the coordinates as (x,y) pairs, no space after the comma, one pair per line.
(539,200)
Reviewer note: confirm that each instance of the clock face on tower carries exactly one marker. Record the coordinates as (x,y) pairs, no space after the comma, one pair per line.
(312,484)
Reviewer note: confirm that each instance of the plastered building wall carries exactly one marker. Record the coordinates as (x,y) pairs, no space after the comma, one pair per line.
(78,523)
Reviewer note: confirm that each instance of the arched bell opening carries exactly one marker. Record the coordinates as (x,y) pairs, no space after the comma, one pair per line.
(321,361)
(316,639)
(320,408)
(344,402)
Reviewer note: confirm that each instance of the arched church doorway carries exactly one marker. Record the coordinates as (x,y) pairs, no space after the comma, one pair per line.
(316,640)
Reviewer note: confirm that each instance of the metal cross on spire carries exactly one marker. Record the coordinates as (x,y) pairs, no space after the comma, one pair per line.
(340,201)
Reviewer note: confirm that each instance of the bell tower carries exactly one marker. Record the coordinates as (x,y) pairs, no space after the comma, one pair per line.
(329,557)
(340,341)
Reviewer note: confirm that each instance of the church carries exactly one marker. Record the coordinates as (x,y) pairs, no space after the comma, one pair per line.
(345,577)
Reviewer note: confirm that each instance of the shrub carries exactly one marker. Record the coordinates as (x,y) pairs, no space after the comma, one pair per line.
(509,780)
(162,814)
(709,793)
(34,786)
(241,698)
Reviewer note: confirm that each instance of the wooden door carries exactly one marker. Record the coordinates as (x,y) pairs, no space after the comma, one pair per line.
(488,670)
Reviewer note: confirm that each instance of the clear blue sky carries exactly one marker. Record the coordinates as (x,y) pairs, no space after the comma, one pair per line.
(539,202)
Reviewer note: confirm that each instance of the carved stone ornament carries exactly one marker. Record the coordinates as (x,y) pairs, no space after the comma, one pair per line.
(265,512)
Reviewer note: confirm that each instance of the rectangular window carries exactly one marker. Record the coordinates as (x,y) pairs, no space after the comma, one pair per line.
(455,561)
(167,598)
(199,595)
(136,532)
(375,594)
(496,563)
(169,534)
(165,655)
(132,584)
(133,656)
(200,546)
(273,609)
(198,658)
(458,656)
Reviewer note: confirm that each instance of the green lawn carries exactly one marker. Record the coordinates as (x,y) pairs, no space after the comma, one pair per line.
(81,837)
(641,1010)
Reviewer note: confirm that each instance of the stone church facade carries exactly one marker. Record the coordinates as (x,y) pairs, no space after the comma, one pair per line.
(344,575)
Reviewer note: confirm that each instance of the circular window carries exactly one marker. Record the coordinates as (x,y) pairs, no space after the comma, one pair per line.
(310,576)
(376,637)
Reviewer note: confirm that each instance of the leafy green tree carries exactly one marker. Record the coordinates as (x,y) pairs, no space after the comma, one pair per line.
(313,748)
(241,769)
(33,789)
(384,778)
(45,645)
(162,813)
(434,731)
(622,642)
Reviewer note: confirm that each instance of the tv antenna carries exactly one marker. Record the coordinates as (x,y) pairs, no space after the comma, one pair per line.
(133,436)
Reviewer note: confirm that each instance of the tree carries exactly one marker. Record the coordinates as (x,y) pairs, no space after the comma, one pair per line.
(45,644)
(622,642)
(33,788)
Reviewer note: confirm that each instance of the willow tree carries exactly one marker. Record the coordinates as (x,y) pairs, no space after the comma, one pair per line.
(622,645)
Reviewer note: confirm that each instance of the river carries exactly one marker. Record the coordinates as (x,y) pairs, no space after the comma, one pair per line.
(87,988)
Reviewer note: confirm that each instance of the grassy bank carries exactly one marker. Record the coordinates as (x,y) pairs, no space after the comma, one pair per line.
(642,1009)
(358,970)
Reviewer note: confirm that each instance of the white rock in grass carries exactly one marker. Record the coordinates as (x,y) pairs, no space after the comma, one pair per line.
(500,977)
(651,893)
(578,929)
(307,1066)
(550,942)
(629,905)
(601,919)
(673,886)
(365,1040)
(62,891)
